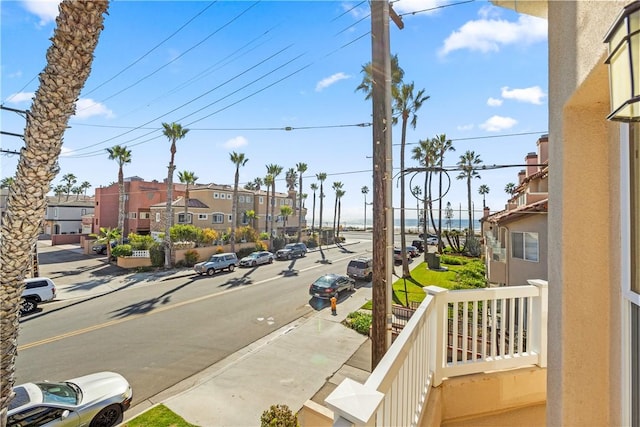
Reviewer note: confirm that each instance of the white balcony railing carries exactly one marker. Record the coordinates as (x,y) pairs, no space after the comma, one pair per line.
(452,333)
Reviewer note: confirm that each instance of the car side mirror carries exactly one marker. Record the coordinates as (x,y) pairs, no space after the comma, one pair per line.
(65,414)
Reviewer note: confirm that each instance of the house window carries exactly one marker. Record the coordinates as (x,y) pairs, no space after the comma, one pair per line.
(229,196)
(133,215)
(217,218)
(248,199)
(184,219)
(230,218)
(55,212)
(241,199)
(216,196)
(157,216)
(245,220)
(261,200)
(144,215)
(83,212)
(202,217)
(524,245)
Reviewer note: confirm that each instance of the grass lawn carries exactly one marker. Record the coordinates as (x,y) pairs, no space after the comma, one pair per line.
(158,416)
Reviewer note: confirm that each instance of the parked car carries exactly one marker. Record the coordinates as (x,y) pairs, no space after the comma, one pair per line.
(421,235)
(419,244)
(92,400)
(101,248)
(292,250)
(36,290)
(360,269)
(217,262)
(432,240)
(330,285)
(412,251)
(256,258)
(397,255)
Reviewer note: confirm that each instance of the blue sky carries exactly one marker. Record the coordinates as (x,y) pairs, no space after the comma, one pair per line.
(237,73)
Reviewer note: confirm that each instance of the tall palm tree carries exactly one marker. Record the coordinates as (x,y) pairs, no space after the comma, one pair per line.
(337,186)
(187,178)
(366,86)
(339,194)
(425,154)
(365,190)
(173,131)
(407,105)
(510,189)
(69,59)
(416,191)
(254,185)
(314,188)
(85,186)
(483,190)
(468,164)
(237,159)
(441,146)
(69,181)
(122,156)
(273,170)
(321,177)
(59,190)
(252,216)
(291,178)
(302,168)
(268,180)
(285,212)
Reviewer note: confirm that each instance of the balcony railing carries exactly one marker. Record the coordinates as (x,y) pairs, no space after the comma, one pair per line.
(452,333)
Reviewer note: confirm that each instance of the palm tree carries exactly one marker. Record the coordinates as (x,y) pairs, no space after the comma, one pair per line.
(268,180)
(483,189)
(188,178)
(468,163)
(108,235)
(425,154)
(339,194)
(122,156)
(366,86)
(510,189)
(365,190)
(69,60)
(85,186)
(252,216)
(291,178)
(237,159)
(285,211)
(406,104)
(441,146)
(337,186)
(59,190)
(173,131)
(313,187)
(273,170)
(7,182)
(321,177)
(302,168)
(77,191)
(69,181)
(254,185)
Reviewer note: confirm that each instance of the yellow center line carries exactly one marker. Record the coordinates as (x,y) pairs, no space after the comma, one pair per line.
(153,311)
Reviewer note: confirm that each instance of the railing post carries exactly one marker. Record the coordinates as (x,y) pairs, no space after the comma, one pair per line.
(539,328)
(438,332)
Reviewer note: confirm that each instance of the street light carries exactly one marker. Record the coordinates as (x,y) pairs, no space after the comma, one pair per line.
(624,64)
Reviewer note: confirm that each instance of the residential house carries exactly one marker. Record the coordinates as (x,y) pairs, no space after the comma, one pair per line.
(516,237)
(140,195)
(64,215)
(589,339)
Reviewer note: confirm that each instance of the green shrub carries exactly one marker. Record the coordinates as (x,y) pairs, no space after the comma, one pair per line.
(121,250)
(453,260)
(261,246)
(191,258)
(359,321)
(156,253)
(472,275)
(140,242)
(278,416)
(244,252)
(185,233)
(278,243)
(313,241)
(264,236)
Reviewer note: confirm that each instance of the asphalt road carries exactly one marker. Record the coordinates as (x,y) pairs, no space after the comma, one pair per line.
(157,331)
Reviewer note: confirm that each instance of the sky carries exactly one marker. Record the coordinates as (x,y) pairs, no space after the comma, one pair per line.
(276,80)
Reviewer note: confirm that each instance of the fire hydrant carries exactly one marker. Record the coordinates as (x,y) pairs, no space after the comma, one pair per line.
(334,302)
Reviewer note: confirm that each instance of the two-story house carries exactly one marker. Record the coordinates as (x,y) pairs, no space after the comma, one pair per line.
(65,215)
(516,237)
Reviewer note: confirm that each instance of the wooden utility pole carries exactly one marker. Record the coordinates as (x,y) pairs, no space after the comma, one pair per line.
(382,181)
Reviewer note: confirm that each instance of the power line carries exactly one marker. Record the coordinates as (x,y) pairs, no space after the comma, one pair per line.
(434,8)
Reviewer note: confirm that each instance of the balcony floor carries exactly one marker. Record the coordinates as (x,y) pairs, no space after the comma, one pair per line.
(530,416)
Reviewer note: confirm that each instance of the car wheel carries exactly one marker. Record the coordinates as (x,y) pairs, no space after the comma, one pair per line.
(289,256)
(107,417)
(231,267)
(369,277)
(253,264)
(211,271)
(28,305)
(270,260)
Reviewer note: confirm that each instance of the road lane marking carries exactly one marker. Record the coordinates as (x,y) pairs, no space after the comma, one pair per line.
(154,311)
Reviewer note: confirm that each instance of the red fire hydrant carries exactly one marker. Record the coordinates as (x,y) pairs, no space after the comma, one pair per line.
(334,302)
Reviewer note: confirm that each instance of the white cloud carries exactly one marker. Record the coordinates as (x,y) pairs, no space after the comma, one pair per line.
(237,142)
(408,6)
(326,82)
(493,102)
(465,128)
(46,10)
(86,108)
(489,35)
(498,123)
(356,12)
(531,95)
(20,97)
(64,151)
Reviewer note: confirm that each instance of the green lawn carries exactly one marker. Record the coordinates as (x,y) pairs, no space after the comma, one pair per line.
(158,416)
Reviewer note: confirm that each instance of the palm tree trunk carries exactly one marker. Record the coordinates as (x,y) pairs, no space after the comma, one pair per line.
(313,214)
(69,60)
(403,238)
(120,204)
(469,202)
(169,211)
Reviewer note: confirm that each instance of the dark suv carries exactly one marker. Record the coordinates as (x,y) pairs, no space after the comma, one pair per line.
(292,250)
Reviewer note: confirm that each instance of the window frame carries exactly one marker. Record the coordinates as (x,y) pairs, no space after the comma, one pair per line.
(215,215)
(525,234)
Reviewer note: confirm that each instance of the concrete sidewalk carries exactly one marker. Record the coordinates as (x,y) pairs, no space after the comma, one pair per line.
(289,366)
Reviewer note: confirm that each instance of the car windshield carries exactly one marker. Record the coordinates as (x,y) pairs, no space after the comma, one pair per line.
(68,393)
(214,259)
(324,282)
(357,264)
(290,246)
(254,255)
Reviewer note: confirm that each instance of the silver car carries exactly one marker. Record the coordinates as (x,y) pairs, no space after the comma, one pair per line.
(257,258)
(95,400)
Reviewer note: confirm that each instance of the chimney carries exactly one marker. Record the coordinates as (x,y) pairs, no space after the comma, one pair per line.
(485,212)
(531,161)
(543,149)
(521,176)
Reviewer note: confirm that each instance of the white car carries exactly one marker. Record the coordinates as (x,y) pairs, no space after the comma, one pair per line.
(95,400)
(36,290)
(432,240)
(256,258)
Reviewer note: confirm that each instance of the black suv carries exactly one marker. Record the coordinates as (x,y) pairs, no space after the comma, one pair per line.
(101,248)
(292,250)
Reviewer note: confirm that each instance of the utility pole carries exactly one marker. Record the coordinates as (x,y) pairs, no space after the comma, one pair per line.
(382,181)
